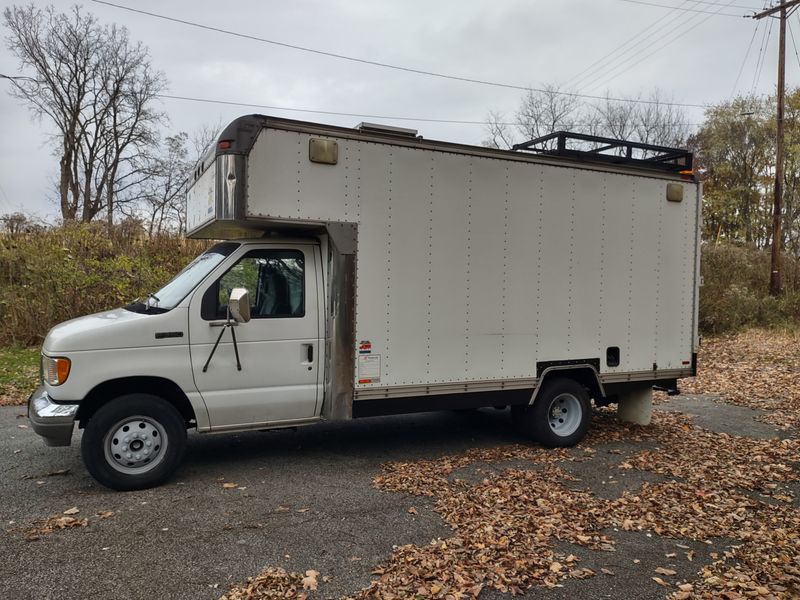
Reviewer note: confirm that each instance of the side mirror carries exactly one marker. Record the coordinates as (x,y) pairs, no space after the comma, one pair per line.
(239,305)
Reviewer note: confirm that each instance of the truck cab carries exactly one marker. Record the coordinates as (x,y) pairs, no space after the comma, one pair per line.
(159,351)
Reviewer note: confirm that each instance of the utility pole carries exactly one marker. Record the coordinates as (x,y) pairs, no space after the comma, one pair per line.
(777,236)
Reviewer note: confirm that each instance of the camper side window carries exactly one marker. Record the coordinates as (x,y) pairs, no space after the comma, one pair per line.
(274,280)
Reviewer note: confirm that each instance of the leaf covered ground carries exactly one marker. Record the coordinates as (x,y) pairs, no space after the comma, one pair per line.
(758,369)
(510,528)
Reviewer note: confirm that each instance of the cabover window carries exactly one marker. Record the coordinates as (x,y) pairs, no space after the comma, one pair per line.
(274,280)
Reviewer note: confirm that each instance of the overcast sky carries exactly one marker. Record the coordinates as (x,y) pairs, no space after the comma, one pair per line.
(695,57)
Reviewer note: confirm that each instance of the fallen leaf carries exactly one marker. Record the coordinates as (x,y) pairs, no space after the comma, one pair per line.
(72,511)
(310,580)
(229,485)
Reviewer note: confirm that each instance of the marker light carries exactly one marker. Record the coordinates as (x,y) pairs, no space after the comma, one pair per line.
(55,370)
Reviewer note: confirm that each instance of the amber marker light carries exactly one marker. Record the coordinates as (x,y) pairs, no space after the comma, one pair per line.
(57,370)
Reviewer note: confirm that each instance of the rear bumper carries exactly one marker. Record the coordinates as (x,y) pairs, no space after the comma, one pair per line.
(54,422)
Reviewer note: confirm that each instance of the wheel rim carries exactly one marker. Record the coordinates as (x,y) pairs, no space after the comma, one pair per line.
(135,445)
(565,414)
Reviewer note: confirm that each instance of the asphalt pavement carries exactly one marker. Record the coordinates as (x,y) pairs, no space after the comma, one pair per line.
(303,500)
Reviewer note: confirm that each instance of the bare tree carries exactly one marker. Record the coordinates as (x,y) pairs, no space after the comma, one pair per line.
(549,110)
(167,185)
(98,89)
(499,131)
(156,195)
(652,120)
(203,137)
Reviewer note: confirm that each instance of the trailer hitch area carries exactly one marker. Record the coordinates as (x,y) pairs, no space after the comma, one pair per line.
(671,390)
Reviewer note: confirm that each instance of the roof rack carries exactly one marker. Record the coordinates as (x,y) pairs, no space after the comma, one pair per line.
(592,148)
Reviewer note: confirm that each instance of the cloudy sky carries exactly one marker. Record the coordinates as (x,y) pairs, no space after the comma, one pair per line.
(693,50)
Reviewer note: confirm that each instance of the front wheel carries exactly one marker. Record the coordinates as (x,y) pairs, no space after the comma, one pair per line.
(560,415)
(134,442)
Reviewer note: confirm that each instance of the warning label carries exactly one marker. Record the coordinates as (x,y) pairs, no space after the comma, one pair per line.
(369,368)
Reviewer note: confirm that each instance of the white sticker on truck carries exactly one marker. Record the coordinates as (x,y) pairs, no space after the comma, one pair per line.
(369,368)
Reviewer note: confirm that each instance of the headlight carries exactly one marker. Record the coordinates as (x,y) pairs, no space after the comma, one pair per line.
(55,370)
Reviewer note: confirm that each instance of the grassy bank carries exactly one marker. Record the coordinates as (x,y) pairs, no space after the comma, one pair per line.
(19,374)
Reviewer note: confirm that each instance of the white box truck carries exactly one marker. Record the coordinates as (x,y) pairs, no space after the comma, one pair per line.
(369,271)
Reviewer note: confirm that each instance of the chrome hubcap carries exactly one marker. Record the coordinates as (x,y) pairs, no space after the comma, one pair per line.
(565,414)
(135,445)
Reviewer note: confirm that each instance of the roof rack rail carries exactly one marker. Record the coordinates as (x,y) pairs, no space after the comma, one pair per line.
(592,148)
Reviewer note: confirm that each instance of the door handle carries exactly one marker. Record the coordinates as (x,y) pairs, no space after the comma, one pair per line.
(309,353)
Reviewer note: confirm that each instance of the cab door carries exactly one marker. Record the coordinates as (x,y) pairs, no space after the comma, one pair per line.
(278,348)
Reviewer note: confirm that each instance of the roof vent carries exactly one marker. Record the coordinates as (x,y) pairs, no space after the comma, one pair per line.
(385,129)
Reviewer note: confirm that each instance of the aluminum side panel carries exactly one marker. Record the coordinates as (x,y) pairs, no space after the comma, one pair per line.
(524,247)
(449,238)
(487,273)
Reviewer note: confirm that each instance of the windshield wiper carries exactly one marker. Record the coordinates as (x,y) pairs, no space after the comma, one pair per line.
(154,297)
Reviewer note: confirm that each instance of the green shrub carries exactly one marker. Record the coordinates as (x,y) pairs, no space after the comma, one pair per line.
(735,290)
(54,275)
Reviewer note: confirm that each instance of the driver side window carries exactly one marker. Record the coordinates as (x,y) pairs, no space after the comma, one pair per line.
(274,280)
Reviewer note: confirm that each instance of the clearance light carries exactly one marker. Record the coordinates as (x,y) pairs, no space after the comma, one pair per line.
(224,145)
(55,370)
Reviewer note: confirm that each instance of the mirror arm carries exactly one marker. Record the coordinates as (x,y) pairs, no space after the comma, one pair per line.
(227,325)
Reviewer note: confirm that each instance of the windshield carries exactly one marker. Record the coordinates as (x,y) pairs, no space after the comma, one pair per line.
(184,282)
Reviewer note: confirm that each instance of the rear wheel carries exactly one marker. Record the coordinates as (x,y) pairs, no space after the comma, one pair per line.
(560,415)
(134,442)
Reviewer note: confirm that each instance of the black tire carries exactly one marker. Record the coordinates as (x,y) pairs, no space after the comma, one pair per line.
(150,458)
(559,417)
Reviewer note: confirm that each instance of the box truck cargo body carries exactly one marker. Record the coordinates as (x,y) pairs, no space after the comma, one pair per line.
(369,271)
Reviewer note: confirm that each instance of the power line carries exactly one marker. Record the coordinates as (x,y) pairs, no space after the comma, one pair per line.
(669,42)
(578,77)
(635,49)
(794,44)
(337,113)
(377,63)
(695,10)
(744,62)
(761,57)
(725,4)
(681,20)
(325,112)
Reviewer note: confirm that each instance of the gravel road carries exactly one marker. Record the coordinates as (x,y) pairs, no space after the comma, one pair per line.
(304,500)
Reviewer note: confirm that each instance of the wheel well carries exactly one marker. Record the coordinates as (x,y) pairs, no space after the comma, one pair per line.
(585,375)
(157,386)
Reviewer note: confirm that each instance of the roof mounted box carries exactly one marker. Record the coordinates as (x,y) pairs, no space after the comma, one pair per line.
(364,127)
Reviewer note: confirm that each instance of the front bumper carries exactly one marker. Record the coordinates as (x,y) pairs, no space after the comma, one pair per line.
(54,422)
